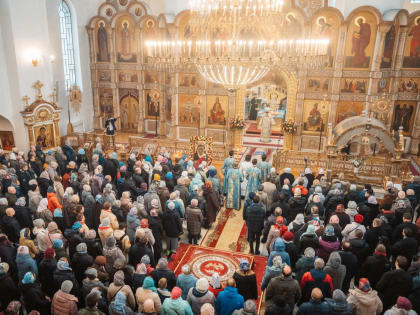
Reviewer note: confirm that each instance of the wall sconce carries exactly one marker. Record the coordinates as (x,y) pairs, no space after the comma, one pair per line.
(52,58)
(34,56)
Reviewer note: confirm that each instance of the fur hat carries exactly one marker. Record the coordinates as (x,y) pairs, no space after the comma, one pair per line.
(352,205)
(404,303)
(91,272)
(171,205)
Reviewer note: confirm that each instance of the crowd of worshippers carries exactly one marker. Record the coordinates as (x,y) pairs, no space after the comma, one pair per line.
(93,235)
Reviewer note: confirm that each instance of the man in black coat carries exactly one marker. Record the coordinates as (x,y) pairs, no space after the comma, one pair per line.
(407,247)
(110,168)
(374,266)
(349,260)
(46,272)
(8,288)
(395,283)
(11,226)
(407,222)
(359,247)
(23,214)
(173,227)
(62,273)
(139,249)
(254,217)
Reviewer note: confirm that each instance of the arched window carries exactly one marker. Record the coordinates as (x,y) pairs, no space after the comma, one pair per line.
(67,44)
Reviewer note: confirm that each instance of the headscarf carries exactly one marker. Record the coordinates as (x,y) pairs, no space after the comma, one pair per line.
(149,284)
(119,278)
(364,285)
(141,269)
(244,265)
(58,213)
(309,231)
(215,280)
(28,278)
(63,265)
(300,219)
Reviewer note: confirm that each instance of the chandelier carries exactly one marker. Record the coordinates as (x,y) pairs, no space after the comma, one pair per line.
(237,42)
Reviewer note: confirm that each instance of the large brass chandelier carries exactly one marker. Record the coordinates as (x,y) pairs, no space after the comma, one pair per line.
(237,42)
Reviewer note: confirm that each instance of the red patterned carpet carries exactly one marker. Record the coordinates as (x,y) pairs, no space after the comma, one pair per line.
(204,261)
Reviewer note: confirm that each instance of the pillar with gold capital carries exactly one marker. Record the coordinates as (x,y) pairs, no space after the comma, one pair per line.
(239,112)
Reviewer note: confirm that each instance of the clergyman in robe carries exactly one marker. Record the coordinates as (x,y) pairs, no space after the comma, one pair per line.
(266,123)
(233,188)
(254,178)
(228,163)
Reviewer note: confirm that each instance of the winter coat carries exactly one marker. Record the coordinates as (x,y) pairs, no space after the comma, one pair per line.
(23,215)
(59,276)
(33,250)
(273,234)
(360,248)
(246,283)
(112,254)
(137,251)
(34,200)
(406,247)
(25,264)
(254,217)
(229,300)
(297,205)
(303,265)
(133,223)
(185,283)
(373,268)
(398,311)
(212,204)
(176,307)
(64,304)
(308,240)
(81,262)
(11,228)
(349,232)
(8,255)
(365,303)
(160,273)
(393,284)
(112,218)
(94,247)
(126,290)
(316,278)
(197,299)
(104,233)
(34,298)
(336,270)
(143,294)
(270,273)
(284,287)
(171,223)
(53,202)
(88,285)
(46,270)
(339,306)
(314,307)
(279,250)
(327,245)
(88,202)
(195,219)
(9,291)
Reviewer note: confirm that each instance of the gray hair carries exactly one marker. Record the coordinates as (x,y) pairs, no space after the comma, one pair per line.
(250,307)
(319,263)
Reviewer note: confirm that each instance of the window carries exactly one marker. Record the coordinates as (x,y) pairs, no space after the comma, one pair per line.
(415,1)
(67,44)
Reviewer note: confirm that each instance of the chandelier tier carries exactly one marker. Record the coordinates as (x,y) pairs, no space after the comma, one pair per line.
(237,42)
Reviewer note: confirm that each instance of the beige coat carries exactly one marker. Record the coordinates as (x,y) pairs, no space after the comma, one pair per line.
(144,294)
(33,250)
(104,234)
(113,290)
(112,218)
(64,304)
(364,303)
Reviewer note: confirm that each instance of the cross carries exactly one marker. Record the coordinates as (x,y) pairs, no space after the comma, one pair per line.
(38,85)
(53,96)
(26,99)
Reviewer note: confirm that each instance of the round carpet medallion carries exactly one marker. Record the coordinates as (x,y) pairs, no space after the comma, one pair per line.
(206,265)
